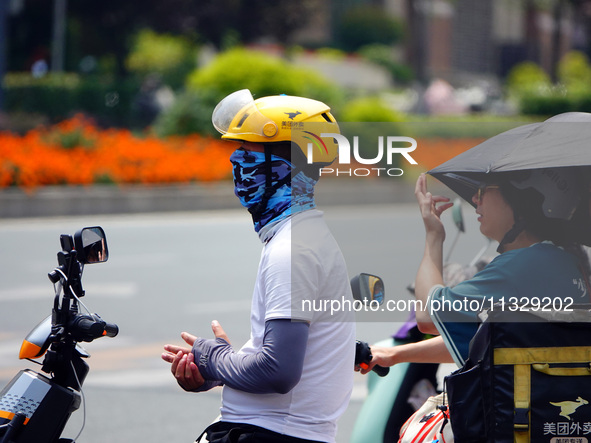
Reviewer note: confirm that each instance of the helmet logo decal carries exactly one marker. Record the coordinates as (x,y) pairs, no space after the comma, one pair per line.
(292,115)
(317,141)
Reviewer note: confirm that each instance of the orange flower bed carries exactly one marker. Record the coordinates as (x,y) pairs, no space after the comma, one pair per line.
(431,152)
(76,152)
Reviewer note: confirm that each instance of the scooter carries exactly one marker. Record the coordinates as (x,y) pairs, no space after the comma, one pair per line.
(34,408)
(394,397)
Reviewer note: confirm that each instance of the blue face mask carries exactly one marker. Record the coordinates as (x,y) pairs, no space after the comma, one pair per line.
(286,196)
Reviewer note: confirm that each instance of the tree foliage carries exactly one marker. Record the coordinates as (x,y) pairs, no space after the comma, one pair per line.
(169,56)
(365,25)
(105,28)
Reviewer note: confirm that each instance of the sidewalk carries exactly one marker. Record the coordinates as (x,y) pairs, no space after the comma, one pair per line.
(110,199)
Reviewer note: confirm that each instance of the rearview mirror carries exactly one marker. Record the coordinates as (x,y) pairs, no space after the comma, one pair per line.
(456,213)
(367,288)
(91,245)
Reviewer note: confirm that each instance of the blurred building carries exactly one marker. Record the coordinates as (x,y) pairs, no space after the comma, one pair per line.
(467,38)
(459,40)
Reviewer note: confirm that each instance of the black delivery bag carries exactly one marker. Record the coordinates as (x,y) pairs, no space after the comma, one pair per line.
(527,378)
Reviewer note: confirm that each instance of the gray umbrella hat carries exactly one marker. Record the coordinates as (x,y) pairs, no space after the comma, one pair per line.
(560,141)
(563,141)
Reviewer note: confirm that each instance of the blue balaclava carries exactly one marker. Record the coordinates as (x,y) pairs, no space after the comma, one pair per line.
(270,198)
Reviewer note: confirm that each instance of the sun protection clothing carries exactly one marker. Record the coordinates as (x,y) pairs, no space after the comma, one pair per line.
(277,368)
(290,192)
(301,262)
(533,273)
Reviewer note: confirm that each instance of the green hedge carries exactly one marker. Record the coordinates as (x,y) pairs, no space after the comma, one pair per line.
(58,96)
(263,74)
(531,87)
(555,101)
(368,109)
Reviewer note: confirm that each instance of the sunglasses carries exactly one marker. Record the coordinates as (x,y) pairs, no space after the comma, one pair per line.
(482,189)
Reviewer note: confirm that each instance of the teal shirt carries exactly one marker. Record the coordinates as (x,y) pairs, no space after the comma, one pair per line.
(535,273)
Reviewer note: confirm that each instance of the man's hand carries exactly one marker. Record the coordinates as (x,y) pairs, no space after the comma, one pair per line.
(218,331)
(182,366)
(204,350)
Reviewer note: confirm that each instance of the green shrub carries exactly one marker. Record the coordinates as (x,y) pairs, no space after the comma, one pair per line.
(330,53)
(546,103)
(367,118)
(170,56)
(536,95)
(190,113)
(66,80)
(556,101)
(382,55)
(263,74)
(369,109)
(574,71)
(526,77)
(58,96)
(582,103)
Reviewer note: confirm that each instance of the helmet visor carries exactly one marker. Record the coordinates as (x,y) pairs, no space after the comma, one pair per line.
(233,111)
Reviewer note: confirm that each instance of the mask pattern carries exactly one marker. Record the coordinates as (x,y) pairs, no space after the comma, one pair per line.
(287,196)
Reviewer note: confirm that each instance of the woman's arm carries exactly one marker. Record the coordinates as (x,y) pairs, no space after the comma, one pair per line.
(432,350)
(430,272)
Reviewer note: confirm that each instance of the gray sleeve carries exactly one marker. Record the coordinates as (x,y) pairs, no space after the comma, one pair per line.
(277,368)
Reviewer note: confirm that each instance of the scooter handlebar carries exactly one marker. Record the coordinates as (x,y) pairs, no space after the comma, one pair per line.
(111,330)
(363,358)
(89,327)
(381,370)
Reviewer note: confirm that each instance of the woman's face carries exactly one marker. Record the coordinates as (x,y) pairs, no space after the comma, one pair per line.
(495,215)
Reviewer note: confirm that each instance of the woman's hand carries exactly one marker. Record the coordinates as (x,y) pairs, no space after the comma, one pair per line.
(431,207)
(432,350)
(380,356)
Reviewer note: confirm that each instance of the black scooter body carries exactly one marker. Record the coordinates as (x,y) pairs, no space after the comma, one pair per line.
(45,405)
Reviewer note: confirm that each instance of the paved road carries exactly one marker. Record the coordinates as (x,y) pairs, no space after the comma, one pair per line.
(173,272)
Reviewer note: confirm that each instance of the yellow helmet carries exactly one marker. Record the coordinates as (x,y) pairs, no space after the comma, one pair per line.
(279,118)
